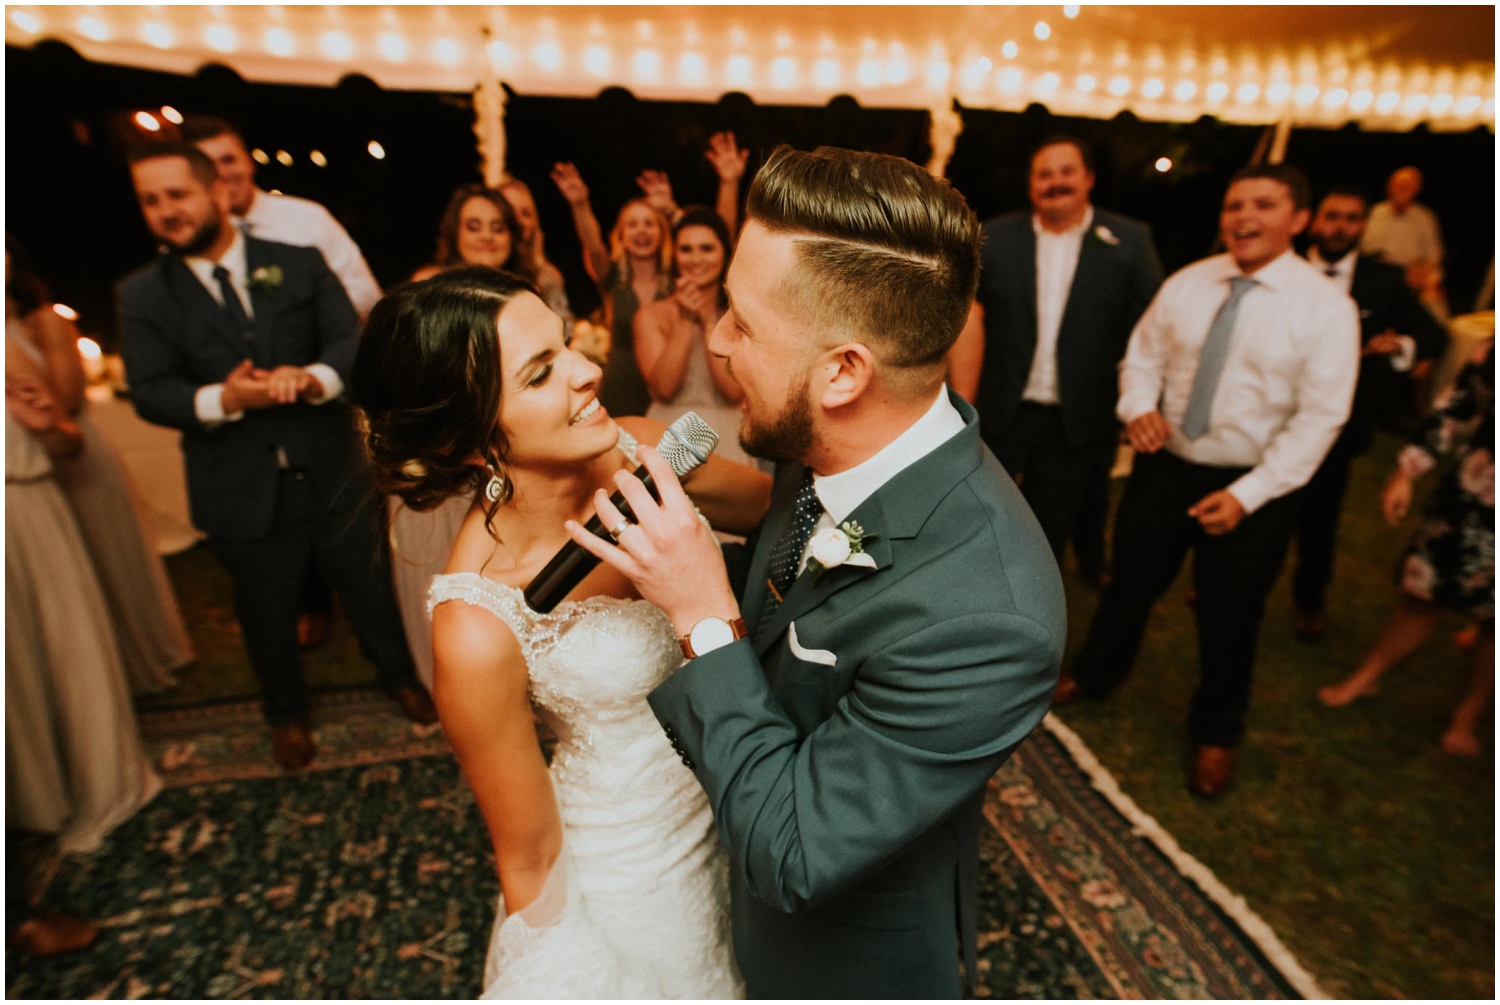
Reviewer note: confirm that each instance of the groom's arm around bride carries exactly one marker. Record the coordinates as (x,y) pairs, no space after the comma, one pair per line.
(846,739)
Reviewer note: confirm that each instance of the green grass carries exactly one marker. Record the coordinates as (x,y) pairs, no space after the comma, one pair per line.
(1366,849)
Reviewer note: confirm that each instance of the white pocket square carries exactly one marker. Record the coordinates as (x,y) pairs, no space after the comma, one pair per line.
(822,656)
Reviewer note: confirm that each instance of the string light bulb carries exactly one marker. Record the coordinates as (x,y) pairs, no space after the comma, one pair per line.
(317,157)
(376,150)
(148,122)
(69,314)
(171,114)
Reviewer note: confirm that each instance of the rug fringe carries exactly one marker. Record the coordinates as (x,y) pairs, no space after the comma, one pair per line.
(1144,824)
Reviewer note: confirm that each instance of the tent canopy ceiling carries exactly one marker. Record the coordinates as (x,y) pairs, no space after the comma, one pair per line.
(1385,67)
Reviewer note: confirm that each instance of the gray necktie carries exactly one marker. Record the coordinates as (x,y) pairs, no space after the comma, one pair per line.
(1211,360)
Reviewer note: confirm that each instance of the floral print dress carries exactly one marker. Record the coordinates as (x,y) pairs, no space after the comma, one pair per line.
(1451,560)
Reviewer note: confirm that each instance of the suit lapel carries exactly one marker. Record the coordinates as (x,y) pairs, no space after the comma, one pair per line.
(263,303)
(1091,252)
(197,302)
(810,590)
(1026,276)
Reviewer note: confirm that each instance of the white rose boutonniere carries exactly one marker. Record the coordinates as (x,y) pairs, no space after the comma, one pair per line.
(838,546)
(266,278)
(1106,235)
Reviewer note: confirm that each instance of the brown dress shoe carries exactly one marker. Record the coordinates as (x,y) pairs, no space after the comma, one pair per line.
(1309,626)
(49,934)
(1069,691)
(292,746)
(417,705)
(1213,770)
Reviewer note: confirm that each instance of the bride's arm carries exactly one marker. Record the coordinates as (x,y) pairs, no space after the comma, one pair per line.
(480,687)
(733,496)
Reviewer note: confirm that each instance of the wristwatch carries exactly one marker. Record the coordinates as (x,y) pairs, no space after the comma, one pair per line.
(710,634)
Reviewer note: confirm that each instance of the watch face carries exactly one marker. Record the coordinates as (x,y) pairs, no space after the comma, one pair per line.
(710,633)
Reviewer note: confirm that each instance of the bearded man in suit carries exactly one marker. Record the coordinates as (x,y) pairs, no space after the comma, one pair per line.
(866,661)
(244,346)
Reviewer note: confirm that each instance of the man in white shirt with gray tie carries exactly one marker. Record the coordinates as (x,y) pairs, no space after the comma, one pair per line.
(1237,381)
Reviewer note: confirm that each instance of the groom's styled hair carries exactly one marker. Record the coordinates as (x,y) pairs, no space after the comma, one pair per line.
(888,252)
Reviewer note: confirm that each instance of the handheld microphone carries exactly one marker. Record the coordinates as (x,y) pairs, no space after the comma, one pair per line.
(685,445)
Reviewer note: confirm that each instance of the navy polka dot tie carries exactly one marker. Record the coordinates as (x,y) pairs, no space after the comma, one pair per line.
(786,557)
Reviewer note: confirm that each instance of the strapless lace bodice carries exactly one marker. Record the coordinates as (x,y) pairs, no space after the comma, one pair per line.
(646,865)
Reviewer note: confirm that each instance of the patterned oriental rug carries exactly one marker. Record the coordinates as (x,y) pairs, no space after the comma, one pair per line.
(371,877)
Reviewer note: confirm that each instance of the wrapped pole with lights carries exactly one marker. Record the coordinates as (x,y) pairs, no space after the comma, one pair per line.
(489,129)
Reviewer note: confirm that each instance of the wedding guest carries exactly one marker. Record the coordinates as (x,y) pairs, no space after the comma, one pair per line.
(286,219)
(671,345)
(634,269)
(532,244)
(1396,333)
(1060,288)
(1450,563)
(478,227)
(1236,382)
(74,763)
(152,638)
(243,345)
(1405,233)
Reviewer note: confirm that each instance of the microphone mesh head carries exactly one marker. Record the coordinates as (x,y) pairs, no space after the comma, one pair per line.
(687,443)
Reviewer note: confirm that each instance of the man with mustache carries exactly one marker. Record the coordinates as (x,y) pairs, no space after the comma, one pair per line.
(1060,287)
(1236,382)
(244,346)
(1395,331)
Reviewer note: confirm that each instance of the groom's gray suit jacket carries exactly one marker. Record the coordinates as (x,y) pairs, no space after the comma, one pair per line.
(849,794)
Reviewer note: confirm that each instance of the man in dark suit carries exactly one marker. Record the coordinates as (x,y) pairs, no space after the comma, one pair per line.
(244,345)
(1398,335)
(885,641)
(1060,288)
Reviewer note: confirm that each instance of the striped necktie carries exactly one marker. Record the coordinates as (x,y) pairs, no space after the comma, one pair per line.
(1211,359)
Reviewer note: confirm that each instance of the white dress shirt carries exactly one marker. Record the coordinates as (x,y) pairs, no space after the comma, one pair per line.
(306,224)
(842,493)
(1287,383)
(1403,238)
(1342,273)
(1056,263)
(208,402)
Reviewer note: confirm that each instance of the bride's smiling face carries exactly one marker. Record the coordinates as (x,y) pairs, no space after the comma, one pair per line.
(549,408)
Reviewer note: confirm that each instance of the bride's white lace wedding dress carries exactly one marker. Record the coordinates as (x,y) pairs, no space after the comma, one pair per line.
(643,873)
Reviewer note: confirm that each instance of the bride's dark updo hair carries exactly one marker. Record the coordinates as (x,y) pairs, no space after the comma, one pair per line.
(427,379)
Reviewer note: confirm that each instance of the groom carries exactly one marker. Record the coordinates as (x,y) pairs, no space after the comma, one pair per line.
(844,716)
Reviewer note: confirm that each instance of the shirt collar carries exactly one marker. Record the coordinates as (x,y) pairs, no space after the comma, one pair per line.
(258,205)
(233,259)
(1271,275)
(1081,228)
(842,493)
(1344,266)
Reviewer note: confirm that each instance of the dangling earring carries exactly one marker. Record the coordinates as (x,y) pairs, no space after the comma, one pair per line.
(496,490)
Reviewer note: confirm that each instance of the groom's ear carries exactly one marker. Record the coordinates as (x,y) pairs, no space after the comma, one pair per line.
(843,374)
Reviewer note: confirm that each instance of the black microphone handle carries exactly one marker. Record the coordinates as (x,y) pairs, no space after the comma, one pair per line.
(571,564)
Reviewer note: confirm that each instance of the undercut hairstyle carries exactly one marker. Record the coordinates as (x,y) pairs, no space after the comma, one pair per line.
(447,241)
(202,167)
(427,382)
(197,128)
(888,254)
(1062,139)
(1349,192)
(1287,174)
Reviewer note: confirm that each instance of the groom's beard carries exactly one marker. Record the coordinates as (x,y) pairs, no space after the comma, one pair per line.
(786,438)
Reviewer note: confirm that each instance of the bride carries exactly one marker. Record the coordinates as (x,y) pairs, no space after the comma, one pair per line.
(613,882)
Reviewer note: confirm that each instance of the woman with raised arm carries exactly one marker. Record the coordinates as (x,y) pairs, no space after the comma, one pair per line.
(612,877)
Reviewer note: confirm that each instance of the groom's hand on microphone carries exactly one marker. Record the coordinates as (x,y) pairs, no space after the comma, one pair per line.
(670,554)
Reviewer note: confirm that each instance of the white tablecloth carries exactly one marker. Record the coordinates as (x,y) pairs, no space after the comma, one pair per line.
(153,460)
